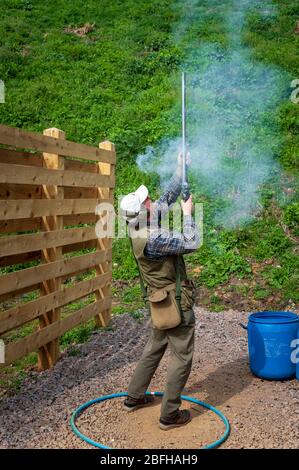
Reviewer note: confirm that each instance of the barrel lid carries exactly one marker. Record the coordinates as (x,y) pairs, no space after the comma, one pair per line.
(274,317)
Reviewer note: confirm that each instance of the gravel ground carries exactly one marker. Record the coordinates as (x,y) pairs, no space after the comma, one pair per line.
(262,413)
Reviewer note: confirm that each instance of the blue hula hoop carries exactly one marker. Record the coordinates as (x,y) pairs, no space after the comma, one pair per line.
(89,403)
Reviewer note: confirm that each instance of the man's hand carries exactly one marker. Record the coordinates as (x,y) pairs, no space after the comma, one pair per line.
(187,206)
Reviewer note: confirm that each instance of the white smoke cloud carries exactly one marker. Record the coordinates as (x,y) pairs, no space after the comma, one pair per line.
(230,98)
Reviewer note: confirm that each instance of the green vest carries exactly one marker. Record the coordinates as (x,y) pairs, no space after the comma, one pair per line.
(160,273)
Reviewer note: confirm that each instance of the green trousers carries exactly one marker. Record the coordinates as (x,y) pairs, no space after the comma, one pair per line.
(181,342)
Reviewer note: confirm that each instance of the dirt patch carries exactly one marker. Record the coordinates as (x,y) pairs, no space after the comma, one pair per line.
(81,31)
(139,429)
(262,413)
(245,294)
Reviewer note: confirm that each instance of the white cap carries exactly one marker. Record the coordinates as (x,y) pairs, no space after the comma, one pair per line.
(131,203)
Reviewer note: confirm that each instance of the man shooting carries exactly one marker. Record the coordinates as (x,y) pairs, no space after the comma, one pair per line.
(158,253)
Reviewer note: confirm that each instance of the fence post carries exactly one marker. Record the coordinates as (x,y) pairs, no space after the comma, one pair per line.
(49,354)
(103,318)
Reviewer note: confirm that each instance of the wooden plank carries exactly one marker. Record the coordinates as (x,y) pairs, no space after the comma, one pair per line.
(79,246)
(77,219)
(30,276)
(20,158)
(49,354)
(30,140)
(20,225)
(18,259)
(20,191)
(13,245)
(22,174)
(75,165)
(17,316)
(17,293)
(80,193)
(35,159)
(35,255)
(21,209)
(106,243)
(23,225)
(79,272)
(16,350)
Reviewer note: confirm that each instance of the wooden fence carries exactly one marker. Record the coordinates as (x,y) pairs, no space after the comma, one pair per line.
(49,189)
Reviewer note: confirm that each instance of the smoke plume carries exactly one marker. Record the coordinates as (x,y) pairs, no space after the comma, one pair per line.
(231,99)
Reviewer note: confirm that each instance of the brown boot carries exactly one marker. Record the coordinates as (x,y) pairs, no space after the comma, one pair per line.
(132,404)
(183,417)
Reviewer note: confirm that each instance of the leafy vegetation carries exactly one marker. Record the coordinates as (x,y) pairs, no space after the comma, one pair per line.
(119,82)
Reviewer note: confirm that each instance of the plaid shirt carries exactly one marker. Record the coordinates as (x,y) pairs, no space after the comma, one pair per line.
(162,242)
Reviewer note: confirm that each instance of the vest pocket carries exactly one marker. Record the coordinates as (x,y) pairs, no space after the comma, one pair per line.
(165,312)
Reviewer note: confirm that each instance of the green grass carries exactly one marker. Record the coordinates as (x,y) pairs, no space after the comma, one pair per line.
(12,377)
(119,82)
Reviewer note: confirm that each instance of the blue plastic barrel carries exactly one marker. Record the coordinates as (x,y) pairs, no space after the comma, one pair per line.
(297,356)
(270,335)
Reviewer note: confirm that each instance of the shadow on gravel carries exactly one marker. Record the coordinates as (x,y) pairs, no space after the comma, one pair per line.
(75,379)
(103,353)
(223,383)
